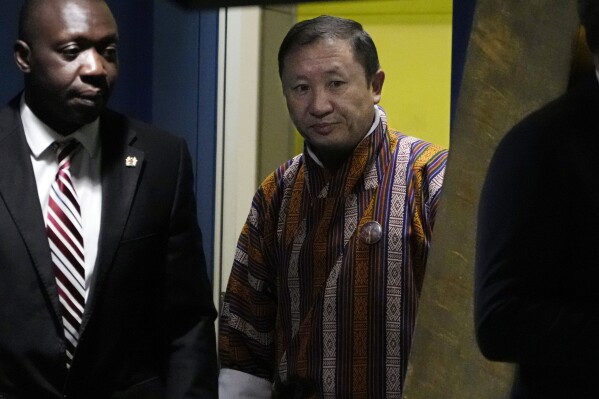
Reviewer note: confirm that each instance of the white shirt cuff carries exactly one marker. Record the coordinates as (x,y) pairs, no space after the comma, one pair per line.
(234,384)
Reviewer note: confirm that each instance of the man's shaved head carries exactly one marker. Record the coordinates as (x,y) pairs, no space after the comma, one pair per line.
(29,16)
(67,50)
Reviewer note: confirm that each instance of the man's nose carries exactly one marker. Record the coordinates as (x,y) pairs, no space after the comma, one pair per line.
(320,103)
(93,63)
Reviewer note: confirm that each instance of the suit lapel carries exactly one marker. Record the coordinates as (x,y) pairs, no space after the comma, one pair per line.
(119,183)
(18,190)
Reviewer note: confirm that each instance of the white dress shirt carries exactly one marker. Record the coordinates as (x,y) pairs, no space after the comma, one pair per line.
(85,175)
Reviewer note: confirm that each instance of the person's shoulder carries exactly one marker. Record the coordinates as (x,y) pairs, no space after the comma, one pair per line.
(144,132)
(284,173)
(9,113)
(541,136)
(421,151)
(12,105)
(570,112)
(269,197)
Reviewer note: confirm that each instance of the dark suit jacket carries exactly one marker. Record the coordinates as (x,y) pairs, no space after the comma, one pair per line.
(148,329)
(537,266)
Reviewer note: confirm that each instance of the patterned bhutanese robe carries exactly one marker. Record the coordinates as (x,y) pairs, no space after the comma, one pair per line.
(309,302)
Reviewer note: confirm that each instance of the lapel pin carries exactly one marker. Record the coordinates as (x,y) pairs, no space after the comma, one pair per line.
(371,232)
(131,162)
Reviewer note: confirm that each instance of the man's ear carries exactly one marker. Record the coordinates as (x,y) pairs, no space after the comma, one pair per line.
(377,85)
(22,54)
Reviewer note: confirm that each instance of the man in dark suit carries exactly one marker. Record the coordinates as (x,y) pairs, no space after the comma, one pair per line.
(103,285)
(537,267)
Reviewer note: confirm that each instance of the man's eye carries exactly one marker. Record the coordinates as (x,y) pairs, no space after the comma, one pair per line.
(70,52)
(110,53)
(336,83)
(301,88)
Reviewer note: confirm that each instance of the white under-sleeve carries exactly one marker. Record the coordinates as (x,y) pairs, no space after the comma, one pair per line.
(234,384)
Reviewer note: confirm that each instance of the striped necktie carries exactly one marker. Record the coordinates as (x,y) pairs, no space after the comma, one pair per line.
(63,226)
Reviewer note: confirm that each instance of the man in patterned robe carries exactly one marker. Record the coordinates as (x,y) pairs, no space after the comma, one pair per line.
(323,293)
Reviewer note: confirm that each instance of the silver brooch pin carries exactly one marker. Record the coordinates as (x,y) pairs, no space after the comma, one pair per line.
(371,232)
(131,162)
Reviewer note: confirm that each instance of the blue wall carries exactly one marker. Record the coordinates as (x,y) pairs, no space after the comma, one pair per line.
(11,81)
(168,77)
(184,80)
(134,91)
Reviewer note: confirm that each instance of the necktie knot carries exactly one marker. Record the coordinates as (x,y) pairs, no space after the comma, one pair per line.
(65,151)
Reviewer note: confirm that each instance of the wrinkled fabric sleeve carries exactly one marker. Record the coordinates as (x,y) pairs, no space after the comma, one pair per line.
(429,170)
(248,318)
(434,174)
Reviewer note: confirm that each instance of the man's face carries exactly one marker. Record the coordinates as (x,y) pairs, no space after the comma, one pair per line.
(329,99)
(70,62)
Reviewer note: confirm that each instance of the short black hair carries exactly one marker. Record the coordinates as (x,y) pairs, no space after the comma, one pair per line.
(588,11)
(330,27)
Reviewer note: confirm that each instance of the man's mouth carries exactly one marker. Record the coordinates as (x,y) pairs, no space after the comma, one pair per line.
(323,128)
(90,97)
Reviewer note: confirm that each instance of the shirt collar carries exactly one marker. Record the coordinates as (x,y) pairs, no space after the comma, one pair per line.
(377,119)
(40,136)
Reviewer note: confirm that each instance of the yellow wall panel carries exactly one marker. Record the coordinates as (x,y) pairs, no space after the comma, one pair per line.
(365,7)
